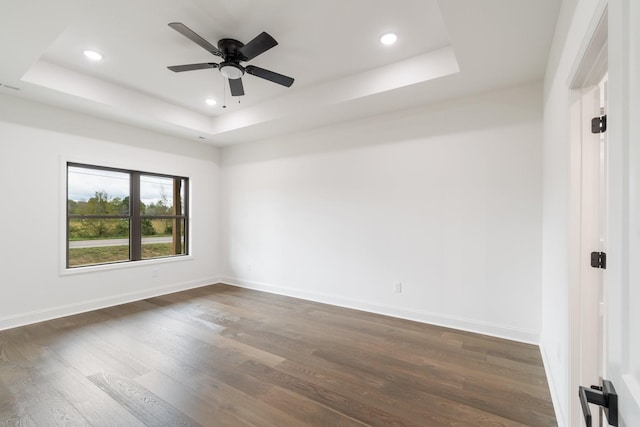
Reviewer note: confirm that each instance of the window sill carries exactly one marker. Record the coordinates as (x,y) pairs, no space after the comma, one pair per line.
(64,271)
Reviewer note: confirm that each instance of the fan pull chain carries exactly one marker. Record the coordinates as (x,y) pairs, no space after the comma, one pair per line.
(224,93)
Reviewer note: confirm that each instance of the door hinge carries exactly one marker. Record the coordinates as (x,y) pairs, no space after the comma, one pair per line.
(599,260)
(604,396)
(599,124)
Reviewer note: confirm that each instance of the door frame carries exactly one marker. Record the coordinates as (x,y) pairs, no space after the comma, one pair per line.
(583,301)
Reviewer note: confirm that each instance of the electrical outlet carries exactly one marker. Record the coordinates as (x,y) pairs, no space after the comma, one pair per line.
(397,287)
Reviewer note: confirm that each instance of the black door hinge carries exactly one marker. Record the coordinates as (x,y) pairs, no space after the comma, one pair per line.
(599,260)
(599,124)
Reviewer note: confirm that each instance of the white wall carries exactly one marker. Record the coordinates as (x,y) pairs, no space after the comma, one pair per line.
(444,199)
(36,139)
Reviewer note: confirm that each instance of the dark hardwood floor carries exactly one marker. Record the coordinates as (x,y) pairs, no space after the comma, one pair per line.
(225,356)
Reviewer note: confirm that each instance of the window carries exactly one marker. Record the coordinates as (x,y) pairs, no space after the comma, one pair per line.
(116,215)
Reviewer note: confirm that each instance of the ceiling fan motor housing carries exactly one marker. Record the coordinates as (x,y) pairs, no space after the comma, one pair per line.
(230,49)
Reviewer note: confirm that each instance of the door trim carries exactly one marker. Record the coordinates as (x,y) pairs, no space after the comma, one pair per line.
(590,69)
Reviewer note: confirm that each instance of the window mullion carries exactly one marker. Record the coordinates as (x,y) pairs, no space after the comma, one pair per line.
(177,223)
(135,237)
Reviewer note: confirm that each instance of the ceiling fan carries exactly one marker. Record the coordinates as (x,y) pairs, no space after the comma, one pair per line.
(233,53)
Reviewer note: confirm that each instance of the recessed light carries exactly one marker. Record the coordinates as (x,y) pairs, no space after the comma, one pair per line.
(388,39)
(210,102)
(92,55)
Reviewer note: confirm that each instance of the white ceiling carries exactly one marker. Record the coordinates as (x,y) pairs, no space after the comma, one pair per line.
(445,49)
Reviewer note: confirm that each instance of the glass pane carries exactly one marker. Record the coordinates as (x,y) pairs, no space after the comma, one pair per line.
(98,241)
(183,186)
(156,195)
(170,242)
(97,192)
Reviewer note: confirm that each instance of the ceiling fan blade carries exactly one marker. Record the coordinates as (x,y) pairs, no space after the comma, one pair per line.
(191,67)
(191,35)
(260,44)
(236,87)
(269,75)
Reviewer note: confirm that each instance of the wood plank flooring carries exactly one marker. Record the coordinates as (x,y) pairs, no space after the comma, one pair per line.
(226,356)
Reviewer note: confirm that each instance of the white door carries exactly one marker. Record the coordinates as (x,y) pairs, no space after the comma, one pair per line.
(622,289)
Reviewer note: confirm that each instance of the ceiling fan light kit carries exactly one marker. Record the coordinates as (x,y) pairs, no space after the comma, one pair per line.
(233,52)
(231,70)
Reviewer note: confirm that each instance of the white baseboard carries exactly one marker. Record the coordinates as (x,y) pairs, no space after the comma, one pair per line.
(96,304)
(459,323)
(470,325)
(552,388)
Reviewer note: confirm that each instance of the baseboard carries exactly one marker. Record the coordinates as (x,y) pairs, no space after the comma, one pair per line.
(560,418)
(96,304)
(470,325)
(459,323)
